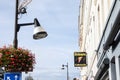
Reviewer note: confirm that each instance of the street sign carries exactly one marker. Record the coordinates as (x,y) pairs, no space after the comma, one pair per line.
(24,3)
(12,76)
(80,59)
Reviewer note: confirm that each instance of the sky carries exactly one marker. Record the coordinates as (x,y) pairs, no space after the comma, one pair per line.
(60,19)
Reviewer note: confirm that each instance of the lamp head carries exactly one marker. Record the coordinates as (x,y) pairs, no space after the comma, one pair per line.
(62,65)
(39,32)
(62,68)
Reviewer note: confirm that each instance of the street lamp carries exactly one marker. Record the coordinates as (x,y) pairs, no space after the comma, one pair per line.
(39,32)
(63,67)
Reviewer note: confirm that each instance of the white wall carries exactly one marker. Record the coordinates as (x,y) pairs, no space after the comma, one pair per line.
(94,17)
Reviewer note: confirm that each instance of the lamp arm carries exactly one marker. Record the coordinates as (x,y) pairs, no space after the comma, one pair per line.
(24,24)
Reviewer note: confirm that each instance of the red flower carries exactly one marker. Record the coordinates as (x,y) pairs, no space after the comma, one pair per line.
(7,52)
(16,59)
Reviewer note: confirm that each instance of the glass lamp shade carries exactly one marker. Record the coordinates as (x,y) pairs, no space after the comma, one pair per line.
(39,33)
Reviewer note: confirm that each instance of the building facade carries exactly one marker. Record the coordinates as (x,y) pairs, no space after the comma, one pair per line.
(99,37)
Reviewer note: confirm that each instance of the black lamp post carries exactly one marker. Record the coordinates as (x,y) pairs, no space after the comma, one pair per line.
(39,32)
(63,67)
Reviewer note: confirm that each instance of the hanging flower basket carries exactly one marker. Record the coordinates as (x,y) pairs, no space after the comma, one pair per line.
(16,60)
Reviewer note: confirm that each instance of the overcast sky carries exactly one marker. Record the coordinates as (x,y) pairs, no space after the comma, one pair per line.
(60,19)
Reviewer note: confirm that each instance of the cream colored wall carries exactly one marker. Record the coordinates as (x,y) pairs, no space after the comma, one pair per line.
(94,17)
